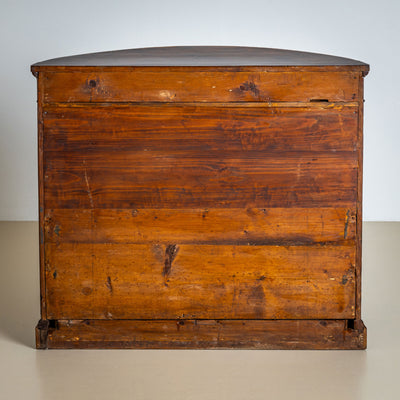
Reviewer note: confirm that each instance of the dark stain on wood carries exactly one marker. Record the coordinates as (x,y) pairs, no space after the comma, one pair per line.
(109,285)
(247,87)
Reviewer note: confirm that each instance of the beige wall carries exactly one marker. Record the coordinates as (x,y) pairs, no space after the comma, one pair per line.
(32,31)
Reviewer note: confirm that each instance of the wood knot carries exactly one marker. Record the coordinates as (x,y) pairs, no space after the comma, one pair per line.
(87,291)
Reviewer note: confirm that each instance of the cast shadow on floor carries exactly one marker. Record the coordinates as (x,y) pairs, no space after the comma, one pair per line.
(19,282)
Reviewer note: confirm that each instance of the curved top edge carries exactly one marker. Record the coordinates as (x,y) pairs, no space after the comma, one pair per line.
(200,56)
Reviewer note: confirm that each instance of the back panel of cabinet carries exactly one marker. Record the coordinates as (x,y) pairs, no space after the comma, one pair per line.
(219,211)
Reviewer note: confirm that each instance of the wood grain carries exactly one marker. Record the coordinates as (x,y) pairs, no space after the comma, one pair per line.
(197,334)
(191,156)
(214,225)
(135,179)
(215,86)
(109,281)
(202,128)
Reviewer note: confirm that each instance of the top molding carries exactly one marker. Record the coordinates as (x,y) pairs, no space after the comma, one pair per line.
(202,56)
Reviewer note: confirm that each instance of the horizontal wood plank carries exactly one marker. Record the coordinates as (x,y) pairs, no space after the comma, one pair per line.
(214,225)
(128,179)
(123,281)
(174,127)
(208,334)
(183,86)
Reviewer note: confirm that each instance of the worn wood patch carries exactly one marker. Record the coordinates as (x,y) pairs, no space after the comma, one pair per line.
(203,225)
(199,281)
(208,334)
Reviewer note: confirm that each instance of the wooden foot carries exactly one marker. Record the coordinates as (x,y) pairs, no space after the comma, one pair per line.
(203,334)
(42,330)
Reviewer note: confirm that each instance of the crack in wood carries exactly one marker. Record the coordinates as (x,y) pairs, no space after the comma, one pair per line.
(89,192)
(170,253)
(109,284)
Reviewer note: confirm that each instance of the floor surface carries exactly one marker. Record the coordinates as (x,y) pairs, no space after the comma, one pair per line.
(26,373)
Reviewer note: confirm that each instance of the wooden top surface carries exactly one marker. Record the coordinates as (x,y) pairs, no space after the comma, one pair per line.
(204,56)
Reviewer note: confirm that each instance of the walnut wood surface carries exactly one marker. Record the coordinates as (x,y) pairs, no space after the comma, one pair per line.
(229,194)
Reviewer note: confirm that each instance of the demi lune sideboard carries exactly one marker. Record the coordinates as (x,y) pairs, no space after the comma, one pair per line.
(200,197)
